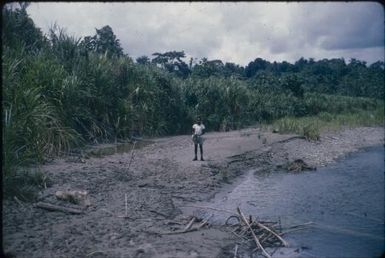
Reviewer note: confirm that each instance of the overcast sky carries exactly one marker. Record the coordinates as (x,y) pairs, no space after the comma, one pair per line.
(235,32)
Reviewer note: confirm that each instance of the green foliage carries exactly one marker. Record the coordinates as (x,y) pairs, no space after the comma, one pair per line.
(60,91)
(32,128)
(223,103)
(18,30)
(312,126)
(311,132)
(143,60)
(292,83)
(104,42)
(25,185)
(172,62)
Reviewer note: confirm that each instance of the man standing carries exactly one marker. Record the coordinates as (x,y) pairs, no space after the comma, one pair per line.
(198,131)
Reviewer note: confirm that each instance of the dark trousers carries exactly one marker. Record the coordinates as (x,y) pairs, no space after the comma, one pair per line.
(196,149)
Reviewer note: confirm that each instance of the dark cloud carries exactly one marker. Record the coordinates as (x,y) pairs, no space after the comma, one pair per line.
(231,31)
(333,26)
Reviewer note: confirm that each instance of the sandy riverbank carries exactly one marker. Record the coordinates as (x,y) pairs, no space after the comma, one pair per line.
(161,178)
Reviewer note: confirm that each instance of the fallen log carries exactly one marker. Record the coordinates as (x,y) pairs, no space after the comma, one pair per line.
(51,207)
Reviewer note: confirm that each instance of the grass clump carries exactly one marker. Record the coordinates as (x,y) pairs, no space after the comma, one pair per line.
(312,126)
(25,184)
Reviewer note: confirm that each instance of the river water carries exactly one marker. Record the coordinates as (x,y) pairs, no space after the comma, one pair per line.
(345,202)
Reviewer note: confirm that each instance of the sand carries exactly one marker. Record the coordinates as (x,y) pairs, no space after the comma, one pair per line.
(158,179)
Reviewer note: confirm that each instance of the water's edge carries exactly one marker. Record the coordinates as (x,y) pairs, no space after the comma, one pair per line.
(345,200)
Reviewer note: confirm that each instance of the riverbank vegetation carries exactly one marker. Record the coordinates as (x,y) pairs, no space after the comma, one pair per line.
(311,127)
(60,92)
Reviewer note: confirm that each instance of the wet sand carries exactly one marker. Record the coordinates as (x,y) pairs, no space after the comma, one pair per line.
(158,179)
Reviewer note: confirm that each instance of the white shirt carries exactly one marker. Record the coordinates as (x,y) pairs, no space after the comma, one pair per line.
(198,129)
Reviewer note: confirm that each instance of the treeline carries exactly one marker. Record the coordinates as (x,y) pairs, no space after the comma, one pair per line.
(60,91)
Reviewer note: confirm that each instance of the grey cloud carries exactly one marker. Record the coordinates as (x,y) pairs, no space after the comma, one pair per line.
(278,46)
(160,28)
(347,25)
(238,31)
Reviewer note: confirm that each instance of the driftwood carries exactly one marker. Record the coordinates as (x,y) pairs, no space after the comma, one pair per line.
(210,208)
(263,233)
(95,252)
(125,199)
(205,222)
(114,215)
(272,232)
(51,207)
(125,216)
(179,231)
(235,251)
(74,196)
(159,213)
(189,227)
(296,228)
(242,217)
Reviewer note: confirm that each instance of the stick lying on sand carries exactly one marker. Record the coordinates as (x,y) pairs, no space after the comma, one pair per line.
(51,207)
(210,208)
(189,227)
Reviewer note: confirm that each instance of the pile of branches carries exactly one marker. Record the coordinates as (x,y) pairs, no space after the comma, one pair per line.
(263,233)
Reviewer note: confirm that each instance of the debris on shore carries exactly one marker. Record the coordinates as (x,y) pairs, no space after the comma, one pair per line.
(296,166)
(248,229)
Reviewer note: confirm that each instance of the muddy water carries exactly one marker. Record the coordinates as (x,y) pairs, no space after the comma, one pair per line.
(345,201)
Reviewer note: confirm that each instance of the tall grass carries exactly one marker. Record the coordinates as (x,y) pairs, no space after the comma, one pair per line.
(312,126)
(32,128)
(59,93)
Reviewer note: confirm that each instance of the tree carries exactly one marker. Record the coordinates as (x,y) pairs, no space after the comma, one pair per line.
(294,84)
(207,68)
(253,67)
(172,62)
(232,69)
(143,60)
(65,47)
(104,42)
(88,43)
(300,64)
(18,29)
(379,65)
